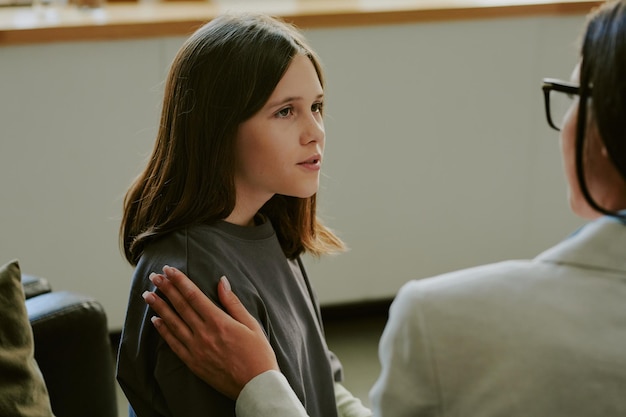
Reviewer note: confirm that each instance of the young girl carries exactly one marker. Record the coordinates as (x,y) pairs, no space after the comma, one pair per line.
(230,190)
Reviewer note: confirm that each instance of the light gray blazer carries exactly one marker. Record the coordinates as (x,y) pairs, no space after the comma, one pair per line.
(545,337)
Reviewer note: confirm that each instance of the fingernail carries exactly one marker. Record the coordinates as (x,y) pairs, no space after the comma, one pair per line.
(225,283)
(155,320)
(168,270)
(148,297)
(155,279)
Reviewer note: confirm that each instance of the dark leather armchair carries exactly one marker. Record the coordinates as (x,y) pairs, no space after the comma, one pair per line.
(72,349)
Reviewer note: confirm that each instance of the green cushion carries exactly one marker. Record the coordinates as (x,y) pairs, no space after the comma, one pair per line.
(23,392)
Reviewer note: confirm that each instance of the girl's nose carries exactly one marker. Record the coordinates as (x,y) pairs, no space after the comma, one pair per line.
(313,131)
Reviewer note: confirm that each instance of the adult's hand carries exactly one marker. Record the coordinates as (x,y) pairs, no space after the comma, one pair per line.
(226,352)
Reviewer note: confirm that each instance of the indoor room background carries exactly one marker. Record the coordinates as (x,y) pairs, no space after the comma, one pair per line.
(438,155)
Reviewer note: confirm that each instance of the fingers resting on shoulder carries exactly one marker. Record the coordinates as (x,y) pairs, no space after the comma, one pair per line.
(226,352)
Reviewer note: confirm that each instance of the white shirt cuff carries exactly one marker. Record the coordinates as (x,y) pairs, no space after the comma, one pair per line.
(269,395)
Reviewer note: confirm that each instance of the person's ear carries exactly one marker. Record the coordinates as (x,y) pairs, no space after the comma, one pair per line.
(596,142)
(603,151)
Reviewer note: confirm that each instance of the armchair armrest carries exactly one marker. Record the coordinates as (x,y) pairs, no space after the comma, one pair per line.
(73,351)
(34,286)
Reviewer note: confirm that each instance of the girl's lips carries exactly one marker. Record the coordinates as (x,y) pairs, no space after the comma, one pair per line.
(314,163)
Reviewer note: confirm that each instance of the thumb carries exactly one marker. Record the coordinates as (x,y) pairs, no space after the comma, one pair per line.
(233,305)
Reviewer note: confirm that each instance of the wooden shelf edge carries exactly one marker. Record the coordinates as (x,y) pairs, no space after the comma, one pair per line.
(147,28)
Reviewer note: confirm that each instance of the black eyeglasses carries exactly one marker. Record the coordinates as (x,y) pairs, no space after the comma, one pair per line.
(559,97)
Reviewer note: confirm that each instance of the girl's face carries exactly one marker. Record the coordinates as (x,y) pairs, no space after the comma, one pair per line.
(279,150)
(604,182)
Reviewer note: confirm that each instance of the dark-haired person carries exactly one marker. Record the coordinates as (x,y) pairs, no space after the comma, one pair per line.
(230,189)
(541,337)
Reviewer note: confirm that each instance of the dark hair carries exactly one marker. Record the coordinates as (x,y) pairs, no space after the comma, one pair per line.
(222,75)
(603,79)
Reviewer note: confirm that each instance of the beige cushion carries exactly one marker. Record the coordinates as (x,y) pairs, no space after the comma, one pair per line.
(23,392)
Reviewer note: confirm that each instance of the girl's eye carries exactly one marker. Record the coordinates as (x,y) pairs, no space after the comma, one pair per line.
(284,113)
(317,107)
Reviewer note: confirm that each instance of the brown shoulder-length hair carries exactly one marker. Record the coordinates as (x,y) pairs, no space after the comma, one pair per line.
(222,75)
